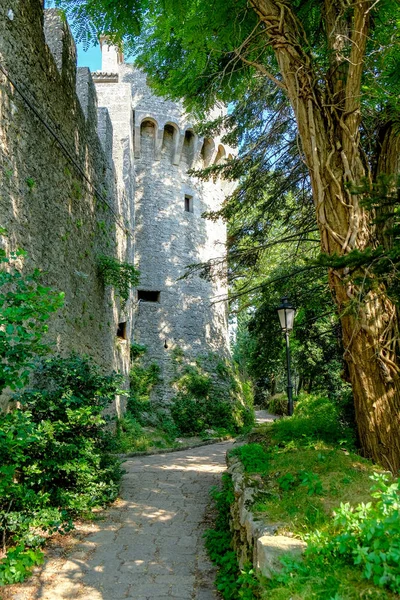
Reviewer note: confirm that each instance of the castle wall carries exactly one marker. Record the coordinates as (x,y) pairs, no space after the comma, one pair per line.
(168,237)
(59,196)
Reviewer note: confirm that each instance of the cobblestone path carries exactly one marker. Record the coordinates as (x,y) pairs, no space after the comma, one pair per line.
(262,416)
(150,546)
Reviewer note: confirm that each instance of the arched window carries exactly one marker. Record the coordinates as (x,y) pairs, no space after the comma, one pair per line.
(169,140)
(147,137)
(188,147)
(221,154)
(207,151)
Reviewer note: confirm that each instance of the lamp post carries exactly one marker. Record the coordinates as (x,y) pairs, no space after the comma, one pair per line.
(286,314)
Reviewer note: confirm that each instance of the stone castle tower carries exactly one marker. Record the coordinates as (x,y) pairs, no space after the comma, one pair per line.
(95,165)
(154,147)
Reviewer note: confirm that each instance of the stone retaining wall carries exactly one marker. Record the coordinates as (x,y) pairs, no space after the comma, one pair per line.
(255,541)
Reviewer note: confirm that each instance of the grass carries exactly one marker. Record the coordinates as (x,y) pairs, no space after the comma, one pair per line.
(132,437)
(332,581)
(304,485)
(301,480)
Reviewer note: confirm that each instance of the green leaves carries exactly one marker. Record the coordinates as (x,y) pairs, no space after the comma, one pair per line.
(19,563)
(315,418)
(54,460)
(231,582)
(368,535)
(210,394)
(25,306)
(120,275)
(254,457)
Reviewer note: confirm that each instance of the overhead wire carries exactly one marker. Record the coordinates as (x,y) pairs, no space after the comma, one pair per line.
(67,152)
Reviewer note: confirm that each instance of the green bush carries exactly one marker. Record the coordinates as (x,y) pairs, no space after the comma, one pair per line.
(194,382)
(367,536)
(254,457)
(210,396)
(278,404)
(55,461)
(143,380)
(356,556)
(130,436)
(25,306)
(314,419)
(189,414)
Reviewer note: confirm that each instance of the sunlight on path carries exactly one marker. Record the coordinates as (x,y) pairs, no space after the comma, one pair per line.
(150,546)
(262,416)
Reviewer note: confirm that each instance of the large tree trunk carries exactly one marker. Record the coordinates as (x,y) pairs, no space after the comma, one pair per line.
(328,119)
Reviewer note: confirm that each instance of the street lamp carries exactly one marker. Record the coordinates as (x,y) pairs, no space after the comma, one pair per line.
(286,314)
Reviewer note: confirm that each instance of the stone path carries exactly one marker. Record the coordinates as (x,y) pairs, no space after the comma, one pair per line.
(150,546)
(262,416)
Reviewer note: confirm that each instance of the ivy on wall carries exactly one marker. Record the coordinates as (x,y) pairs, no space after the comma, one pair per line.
(121,276)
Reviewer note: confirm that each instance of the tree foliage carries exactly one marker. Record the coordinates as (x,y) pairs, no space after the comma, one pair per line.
(334,68)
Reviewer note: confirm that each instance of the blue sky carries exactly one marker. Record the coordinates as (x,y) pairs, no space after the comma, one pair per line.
(90,58)
(86,58)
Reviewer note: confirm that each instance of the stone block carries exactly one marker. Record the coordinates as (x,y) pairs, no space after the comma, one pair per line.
(271,547)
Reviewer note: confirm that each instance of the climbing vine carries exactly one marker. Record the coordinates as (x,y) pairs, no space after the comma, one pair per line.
(120,275)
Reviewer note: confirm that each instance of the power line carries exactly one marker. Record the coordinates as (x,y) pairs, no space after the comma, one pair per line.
(66,152)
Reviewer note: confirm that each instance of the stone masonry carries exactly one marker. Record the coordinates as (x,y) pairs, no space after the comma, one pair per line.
(154,146)
(95,164)
(59,198)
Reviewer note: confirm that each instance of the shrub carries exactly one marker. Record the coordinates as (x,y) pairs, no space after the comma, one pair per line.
(54,463)
(189,414)
(367,535)
(278,404)
(195,382)
(253,457)
(143,379)
(130,435)
(121,276)
(314,419)
(210,395)
(25,307)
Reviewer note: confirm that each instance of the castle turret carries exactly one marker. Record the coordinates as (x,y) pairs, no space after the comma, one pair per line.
(111,56)
(156,145)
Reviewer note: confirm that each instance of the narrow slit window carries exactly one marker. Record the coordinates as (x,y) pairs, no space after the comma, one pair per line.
(121,331)
(148,296)
(188,203)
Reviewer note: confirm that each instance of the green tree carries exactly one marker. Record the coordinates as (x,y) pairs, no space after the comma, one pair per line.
(337,64)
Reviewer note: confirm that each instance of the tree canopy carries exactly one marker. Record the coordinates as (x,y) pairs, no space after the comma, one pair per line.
(316,88)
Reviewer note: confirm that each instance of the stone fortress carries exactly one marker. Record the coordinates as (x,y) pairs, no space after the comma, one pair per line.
(94,164)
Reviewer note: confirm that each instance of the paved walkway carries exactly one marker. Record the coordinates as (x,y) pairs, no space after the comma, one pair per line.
(150,546)
(262,416)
